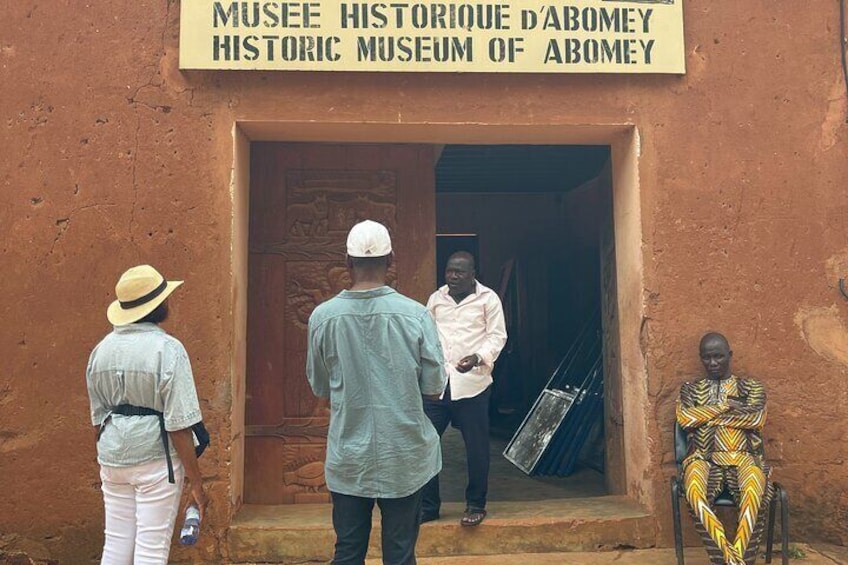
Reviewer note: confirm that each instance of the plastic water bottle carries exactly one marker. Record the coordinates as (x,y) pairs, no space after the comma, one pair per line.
(191,526)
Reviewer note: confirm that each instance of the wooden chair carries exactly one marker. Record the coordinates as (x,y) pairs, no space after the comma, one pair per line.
(725,499)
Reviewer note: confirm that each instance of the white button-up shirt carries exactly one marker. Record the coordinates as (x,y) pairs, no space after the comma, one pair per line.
(475,325)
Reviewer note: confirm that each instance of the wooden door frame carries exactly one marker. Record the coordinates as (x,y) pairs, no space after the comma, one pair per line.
(624,142)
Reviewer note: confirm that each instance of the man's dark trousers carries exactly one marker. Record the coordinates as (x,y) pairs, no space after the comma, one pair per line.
(352,522)
(471,417)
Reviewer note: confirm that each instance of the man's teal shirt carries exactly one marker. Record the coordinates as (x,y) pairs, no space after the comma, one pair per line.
(373,353)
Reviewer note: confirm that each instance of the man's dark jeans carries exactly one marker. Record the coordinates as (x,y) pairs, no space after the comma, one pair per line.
(352,522)
(471,417)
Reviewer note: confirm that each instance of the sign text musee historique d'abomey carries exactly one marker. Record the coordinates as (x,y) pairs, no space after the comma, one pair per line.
(530,36)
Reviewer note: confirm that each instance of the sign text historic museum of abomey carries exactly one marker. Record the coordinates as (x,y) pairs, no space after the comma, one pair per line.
(528,36)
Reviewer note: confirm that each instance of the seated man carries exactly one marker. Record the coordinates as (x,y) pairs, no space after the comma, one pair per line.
(724,416)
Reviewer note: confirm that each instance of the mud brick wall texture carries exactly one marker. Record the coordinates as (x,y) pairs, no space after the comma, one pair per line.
(111,156)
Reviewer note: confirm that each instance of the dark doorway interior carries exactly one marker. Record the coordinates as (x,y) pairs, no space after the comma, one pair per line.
(537,213)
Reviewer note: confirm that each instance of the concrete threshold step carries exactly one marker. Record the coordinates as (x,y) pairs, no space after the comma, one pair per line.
(292,533)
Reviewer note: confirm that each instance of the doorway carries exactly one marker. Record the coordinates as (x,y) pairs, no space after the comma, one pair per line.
(539,215)
(266,441)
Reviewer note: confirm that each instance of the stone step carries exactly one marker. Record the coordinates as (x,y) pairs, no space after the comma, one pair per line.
(286,533)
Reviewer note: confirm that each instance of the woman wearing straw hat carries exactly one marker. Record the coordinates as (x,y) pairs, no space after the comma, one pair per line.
(138,372)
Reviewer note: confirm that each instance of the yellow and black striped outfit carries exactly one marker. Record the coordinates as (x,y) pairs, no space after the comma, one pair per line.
(725,453)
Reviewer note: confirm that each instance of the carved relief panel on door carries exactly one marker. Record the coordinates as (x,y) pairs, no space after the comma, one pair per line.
(322,205)
(320,208)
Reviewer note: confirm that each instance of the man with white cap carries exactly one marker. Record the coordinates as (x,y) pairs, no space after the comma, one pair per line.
(135,372)
(374,352)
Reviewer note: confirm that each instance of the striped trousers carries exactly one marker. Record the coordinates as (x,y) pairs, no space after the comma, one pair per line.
(743,477)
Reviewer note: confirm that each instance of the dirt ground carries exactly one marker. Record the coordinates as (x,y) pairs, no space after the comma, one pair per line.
(802,554)
(694,556)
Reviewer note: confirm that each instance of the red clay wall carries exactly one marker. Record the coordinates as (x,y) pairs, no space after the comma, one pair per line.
(111,156)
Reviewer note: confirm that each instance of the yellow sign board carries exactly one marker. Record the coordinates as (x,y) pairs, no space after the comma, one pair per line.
(518,36)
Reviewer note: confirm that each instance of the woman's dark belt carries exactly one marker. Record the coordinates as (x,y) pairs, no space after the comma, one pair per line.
(130,410)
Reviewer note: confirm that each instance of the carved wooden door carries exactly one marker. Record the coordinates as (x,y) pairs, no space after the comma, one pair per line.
(303,200)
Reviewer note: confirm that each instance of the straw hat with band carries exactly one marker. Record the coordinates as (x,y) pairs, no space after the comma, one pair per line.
(140,290)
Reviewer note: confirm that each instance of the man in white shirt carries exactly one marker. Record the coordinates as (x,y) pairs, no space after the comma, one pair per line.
(470,320)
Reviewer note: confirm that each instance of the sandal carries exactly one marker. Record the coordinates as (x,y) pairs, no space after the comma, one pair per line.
(473,517)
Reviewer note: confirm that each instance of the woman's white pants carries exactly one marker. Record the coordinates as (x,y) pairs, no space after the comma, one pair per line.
(141,509)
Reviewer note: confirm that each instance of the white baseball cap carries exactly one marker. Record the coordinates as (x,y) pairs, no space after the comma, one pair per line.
(369,239)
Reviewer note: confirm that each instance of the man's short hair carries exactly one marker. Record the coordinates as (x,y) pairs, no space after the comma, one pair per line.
(369,263)
(467,255)
(714,336)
